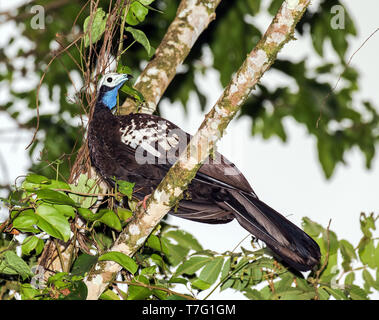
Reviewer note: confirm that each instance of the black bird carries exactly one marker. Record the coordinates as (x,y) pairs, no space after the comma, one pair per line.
(140,148)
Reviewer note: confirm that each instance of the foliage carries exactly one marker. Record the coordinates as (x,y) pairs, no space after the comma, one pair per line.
(172,264)
(331,115)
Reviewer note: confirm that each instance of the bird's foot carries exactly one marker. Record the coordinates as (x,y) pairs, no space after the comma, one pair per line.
(143,202)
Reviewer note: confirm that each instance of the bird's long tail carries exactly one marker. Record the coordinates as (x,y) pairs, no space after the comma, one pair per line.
(285,239)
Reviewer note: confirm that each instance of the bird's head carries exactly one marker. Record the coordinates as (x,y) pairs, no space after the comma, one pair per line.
(108,87)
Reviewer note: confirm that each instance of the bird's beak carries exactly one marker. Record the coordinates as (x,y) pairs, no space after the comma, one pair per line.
(122,78)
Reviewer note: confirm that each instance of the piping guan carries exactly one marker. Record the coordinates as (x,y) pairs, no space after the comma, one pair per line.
(141,148)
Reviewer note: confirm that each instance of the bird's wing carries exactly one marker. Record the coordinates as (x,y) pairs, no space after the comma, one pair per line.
(157,141)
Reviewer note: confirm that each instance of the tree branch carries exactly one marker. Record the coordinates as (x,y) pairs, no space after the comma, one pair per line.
(192,18)
(201,145)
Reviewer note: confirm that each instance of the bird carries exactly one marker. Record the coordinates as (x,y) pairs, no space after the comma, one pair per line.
(140,148)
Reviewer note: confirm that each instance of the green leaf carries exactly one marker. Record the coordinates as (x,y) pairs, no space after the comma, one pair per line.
(110,218)
(99,22)
(89,215)
(83,264)
(28,292)
(154,242)
(84,185)
(106,216)
(149,270)
(58,279)
(136,14)
(347,250)
(109,295)
(350,279)
(52,222)
(310,227)
(136,292)
(367,224)
(178,280)
(35,182)
(123,69)
(56,184)
(26,221)
(356,293)
(212,270)
(158,260)
(125,188)
(12,264)
(200,284)
(175,253)
(274,6)
(130,91)
(255,6)
(226,268)
(367,253)
(29,244)
(54,197)
(266,293)
(39,247)
(103,241)
(184,239)
(323,294)
(124,214)
(66,210)
(37,179)
(295,294)
(141,38)
(330,238)
(253,294)
(286,282)
(78,291)
(319,36)
(122,259)
(160,294)
(338,294)
(368,278)
(376,256)
(191,265)
(175,297)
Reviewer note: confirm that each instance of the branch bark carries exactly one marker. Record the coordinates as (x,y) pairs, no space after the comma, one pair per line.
(192,18)
(203,142)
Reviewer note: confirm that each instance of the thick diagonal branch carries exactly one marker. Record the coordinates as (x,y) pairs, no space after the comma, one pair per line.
(203,142)
(192,18)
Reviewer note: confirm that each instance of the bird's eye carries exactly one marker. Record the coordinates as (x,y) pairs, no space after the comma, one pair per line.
(109,79)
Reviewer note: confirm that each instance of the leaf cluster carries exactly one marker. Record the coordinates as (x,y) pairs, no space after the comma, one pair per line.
(331,114)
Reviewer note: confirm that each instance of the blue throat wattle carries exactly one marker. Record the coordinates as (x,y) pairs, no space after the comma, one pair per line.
(110,97)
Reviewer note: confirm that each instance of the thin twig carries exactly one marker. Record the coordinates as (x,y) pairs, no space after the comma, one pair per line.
(61,260)
(318,273)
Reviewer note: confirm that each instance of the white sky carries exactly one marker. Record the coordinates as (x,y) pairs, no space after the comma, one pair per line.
(288,175)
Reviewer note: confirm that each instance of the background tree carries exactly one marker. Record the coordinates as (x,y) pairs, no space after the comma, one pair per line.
(84,46)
